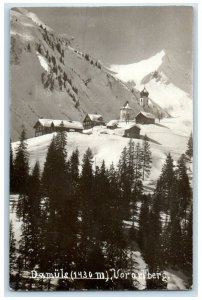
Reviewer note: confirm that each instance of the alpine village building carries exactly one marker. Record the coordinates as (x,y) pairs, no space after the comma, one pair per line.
(145,118)
(132,131)
(92,120)
(45,126)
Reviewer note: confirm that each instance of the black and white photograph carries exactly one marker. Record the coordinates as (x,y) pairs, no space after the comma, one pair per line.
(101,148)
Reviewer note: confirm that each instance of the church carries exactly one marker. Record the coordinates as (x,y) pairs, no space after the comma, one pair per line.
(126,113)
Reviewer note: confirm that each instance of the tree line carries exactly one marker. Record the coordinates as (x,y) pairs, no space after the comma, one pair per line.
(73,215)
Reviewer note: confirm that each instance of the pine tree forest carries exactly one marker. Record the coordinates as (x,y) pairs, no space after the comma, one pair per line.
(82,223)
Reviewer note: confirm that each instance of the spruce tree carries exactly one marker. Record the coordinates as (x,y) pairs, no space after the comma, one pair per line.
(183,188)
(101,203)
(57,234)
(138,186)
(125,183)
(166,185)
(116,244)
(12,171)
(74,179)
(146,158)
(12,252)
(30,243)
(152,248)
(175,251)
(71,212)
(74,166)
(188,246)
(144,222)
(21,166)
(189,151)
(86,207)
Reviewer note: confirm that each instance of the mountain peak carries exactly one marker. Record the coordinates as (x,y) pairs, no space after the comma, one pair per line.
(161,54)
(138,71)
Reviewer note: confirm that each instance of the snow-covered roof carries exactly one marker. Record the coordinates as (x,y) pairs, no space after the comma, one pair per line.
(146,114)
(45,122)
(68,124)
(126,106)
(94,117)
(129,126)
(112,123)
(58,123)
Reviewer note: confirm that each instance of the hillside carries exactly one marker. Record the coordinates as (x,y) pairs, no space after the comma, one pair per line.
(108,144)
(51,79)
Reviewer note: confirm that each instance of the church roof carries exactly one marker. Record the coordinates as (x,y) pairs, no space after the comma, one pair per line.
(144,91)
(126,106)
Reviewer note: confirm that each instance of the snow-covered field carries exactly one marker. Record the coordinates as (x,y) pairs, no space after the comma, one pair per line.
(164,137)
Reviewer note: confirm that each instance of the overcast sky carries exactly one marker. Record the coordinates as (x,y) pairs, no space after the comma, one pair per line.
(123,35)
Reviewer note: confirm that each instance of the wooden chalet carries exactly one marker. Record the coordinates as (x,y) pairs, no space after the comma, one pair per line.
(145,118)
(92,120)
(45,126)
(132,131)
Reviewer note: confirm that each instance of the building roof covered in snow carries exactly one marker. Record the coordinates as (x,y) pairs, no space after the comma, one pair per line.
(146,114)
(126,106)
(60,123)
(112,123)
(95,117)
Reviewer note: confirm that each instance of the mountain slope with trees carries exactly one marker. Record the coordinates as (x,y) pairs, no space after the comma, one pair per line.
(51,79)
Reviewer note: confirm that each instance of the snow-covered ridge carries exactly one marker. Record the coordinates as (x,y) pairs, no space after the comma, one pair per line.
(37,21)
(137,71)
(159,74)
(30,15)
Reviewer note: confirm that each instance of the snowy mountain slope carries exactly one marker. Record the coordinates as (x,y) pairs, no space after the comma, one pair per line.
(137,71)
(51,79)
(22,11)
(108,144)
(167,82)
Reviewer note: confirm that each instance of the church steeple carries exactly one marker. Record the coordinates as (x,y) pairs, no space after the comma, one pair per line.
(144,94)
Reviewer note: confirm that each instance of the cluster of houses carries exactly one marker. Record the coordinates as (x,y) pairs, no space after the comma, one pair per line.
(127,118)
